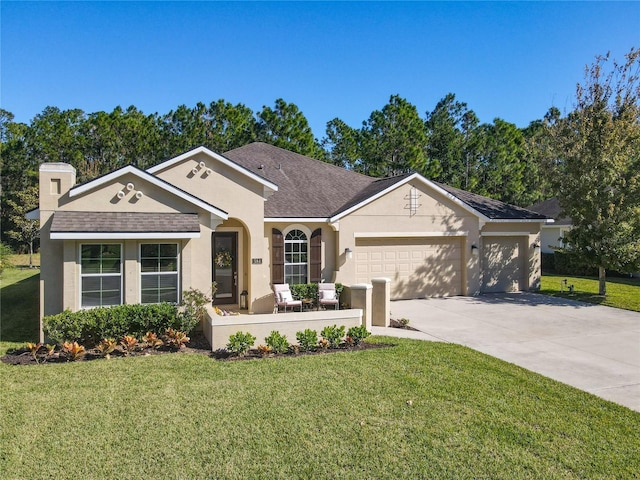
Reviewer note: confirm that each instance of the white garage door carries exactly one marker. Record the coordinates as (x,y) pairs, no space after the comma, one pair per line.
(417,267)
(503,264)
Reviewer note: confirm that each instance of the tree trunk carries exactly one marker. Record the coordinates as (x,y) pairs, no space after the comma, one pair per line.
(30,254)
(602,289)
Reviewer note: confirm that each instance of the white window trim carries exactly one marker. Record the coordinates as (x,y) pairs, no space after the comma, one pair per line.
(177,272)
(82,275)
(304,229)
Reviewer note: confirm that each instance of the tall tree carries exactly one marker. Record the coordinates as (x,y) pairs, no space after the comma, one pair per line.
(342,144)
(286,126)
(393,140)
(25,231)
(501,162)
(449,129)
(599,169)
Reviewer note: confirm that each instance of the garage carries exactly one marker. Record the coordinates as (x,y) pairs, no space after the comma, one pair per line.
(503,264)
(418,267)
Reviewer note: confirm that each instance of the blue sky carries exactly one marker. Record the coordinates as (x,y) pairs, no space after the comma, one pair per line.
(506,59)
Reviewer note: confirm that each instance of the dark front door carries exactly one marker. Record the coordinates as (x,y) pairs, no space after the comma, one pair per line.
(225,267)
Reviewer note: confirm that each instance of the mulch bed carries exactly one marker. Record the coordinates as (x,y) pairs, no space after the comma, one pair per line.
(198,345)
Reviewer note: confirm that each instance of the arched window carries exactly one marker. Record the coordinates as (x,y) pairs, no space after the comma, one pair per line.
(296,257)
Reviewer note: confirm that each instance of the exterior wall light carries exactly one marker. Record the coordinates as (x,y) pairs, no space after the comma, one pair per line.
(348,253)
(536,246)
(474,249)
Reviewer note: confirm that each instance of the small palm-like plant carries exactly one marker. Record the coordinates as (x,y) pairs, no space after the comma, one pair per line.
(175,338)
(34,348)
(264,350)
(129,343)
(152,340)
(106,346)
(73,351)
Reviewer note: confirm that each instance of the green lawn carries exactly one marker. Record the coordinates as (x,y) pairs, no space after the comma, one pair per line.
(19,307)
(621,292)
(341,415)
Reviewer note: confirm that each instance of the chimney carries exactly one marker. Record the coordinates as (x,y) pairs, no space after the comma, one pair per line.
(56,179)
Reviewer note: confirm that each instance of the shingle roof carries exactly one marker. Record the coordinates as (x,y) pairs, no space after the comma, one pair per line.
(122,222)
(491,208)
(551,209)
(315,189)
(307,188)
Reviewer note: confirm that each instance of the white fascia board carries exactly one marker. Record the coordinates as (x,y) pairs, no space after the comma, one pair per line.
(460,233)
(506,234)
(415,176)
(296,220)
(79,190)
(517,220)
(205,151)
(122,235)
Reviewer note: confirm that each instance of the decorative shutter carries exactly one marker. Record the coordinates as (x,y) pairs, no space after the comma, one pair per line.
(277,256)
(316,256)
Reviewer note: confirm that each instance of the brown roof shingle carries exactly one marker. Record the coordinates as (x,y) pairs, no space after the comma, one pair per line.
(307,187)
(124,222)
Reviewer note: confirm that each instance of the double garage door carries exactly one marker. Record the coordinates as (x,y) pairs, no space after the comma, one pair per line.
(417,267)
(503,264)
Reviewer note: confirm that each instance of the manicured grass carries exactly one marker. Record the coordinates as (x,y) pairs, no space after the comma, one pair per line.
(19,307)
(341,415)
(621,292)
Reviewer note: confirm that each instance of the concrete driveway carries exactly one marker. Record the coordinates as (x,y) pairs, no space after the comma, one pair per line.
(594,348)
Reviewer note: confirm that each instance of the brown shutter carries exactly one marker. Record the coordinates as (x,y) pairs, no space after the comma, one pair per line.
(316,256)
(277,256)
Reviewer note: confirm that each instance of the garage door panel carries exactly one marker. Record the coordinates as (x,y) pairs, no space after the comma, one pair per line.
(503,267)
(417,267)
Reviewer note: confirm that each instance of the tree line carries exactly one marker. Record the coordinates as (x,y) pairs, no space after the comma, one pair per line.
(589,158)
(448,145)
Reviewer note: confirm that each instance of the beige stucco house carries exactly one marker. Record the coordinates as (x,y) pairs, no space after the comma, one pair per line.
(260,215)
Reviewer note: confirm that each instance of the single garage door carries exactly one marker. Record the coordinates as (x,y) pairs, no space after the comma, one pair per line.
(503,264)
(417,267)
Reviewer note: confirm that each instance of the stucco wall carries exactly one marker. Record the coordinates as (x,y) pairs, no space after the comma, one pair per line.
(390,216)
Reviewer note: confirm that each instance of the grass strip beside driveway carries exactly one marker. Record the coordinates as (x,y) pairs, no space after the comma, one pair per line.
(621,292)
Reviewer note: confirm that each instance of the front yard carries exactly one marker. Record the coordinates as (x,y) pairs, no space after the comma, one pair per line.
(416,410)
(621,292)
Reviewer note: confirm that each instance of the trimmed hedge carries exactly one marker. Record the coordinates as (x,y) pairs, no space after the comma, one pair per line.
(89,327)
(310,290)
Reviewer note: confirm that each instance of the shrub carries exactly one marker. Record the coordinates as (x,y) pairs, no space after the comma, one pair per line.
(193,305)
(240,343)
(106,346)
(333,335)
(308,340)
(277,342)
(357,334)
(175,338)
(73,351)
(90,326)
(129,343)
(152,340)
(264,350)
(310,290)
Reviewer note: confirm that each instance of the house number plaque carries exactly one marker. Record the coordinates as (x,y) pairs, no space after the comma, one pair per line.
(256,261)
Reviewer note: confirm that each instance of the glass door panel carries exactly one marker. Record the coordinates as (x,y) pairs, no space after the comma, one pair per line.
(225,267)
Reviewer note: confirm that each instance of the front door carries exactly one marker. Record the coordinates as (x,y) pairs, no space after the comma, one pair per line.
(225,267)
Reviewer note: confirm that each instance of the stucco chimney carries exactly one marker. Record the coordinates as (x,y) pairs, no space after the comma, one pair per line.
(56,179)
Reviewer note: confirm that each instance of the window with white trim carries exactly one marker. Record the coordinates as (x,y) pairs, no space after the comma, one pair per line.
(100,275)
(159,272)
(296,258)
